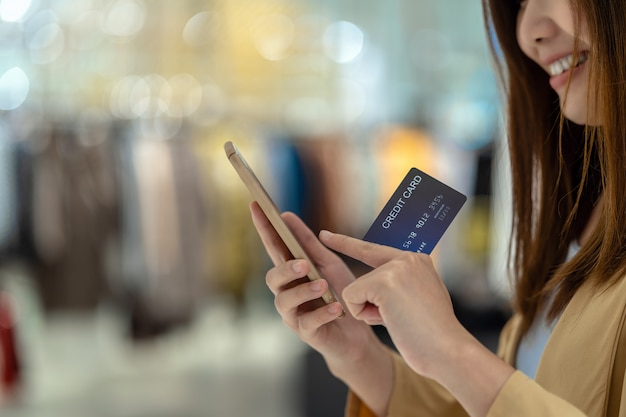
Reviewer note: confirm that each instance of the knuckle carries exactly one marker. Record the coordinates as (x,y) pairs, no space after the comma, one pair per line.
(290,324)
(303,325)
(414,258)
(404,260)
(406,256)
(299,291)
(388,279)
(309,323)
(317,320)
(364,251)
(278,276)
(273,276)
(279,304)
(286,321)
(425,259)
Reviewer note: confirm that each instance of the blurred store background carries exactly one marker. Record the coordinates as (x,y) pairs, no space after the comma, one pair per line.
(131,278)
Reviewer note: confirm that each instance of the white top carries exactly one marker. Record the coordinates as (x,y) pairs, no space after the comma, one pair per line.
(534,342)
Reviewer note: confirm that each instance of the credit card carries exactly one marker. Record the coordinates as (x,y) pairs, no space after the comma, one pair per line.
(417,214)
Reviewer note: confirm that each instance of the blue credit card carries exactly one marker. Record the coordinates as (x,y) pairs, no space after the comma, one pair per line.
(417,214)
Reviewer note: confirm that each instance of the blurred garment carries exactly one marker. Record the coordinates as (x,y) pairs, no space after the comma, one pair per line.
(68,215)
(8,227)
(322,162)
(9,362)
(161,276)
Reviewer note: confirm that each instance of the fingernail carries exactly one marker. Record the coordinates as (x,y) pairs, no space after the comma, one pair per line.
(324,234)
(297,267)
(334,308)
(316,286)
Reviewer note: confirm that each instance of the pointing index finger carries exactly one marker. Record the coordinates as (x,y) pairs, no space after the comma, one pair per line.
(369,253)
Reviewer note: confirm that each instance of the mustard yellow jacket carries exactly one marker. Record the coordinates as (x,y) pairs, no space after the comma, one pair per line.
(581,372)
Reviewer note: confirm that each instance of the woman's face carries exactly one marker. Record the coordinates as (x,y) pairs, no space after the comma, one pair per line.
(546,34)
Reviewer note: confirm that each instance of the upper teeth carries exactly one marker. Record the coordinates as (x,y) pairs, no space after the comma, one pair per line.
(565,63)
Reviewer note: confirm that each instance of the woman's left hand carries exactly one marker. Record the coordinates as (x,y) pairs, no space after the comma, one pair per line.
(405,294)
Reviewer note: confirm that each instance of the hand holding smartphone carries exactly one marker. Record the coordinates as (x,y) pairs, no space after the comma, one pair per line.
(260,195)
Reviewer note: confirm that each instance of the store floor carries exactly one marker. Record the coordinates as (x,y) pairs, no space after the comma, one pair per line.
(223,366)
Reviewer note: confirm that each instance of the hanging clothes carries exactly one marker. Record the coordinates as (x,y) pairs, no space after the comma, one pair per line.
(160,280)
(8,196)
(73,217)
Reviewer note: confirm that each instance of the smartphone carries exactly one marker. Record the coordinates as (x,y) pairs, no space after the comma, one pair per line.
(270,209)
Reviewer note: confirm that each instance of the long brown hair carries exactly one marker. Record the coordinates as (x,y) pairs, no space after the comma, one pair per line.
(559,169)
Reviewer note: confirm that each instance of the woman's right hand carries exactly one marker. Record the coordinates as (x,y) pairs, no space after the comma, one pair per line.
(343,341)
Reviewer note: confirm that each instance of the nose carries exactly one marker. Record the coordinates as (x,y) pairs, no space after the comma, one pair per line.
(535,24)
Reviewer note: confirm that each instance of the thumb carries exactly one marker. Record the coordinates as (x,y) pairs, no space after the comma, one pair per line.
(360,299)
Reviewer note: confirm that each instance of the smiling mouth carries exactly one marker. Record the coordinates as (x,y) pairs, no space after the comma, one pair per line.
(567,62)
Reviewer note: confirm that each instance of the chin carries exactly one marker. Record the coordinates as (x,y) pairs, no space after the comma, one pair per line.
(580,116)
(575,119)
(583,120)
(579,109)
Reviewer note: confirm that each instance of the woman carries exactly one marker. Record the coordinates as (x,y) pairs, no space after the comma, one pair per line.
(564,351)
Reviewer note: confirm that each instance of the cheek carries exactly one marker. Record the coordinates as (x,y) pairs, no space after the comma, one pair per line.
(525,37)
(520,35)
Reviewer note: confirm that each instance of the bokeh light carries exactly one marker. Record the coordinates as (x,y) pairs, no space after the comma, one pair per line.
(47,43)
(14,87)
(125,18)
(343,41)
(273,35)
(13,10)
(202,29)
